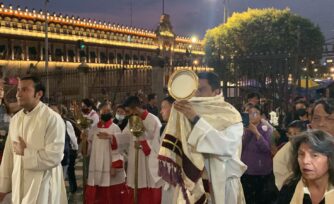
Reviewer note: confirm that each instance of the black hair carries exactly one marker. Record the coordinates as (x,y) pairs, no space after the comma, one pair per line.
(38,85)
(299,124)
(120,106)
(298,98)
(151,96)
(213,79)
(89,103)
(169,99)
(328,104)
(252,95)
(300,101)
(256,107)
(103,104)
(132,102)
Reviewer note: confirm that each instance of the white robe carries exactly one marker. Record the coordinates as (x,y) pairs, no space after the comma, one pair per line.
(101,158)
(222,151)
(37,176)
(147,165)
(282,166)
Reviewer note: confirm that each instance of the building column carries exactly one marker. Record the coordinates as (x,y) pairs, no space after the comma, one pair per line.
(22,50)
(65,53)
(41,51)
(107,53)
(25,51)
(11,49)
(88,55)
(98,53)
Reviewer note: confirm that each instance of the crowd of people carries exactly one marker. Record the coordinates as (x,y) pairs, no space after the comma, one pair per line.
(201,150)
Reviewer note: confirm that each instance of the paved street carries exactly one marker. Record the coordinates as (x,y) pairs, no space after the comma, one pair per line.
(78,197)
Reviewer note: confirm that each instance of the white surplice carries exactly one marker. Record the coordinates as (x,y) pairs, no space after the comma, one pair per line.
(147,165)
(101,158)
(222,151)
(282,165)
(37,176)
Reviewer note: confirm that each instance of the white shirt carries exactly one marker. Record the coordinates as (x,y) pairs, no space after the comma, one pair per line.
(73,137)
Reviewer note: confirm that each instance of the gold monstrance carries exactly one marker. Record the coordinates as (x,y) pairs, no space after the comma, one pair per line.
(137,129)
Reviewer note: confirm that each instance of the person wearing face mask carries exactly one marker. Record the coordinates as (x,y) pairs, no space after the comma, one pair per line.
(120,117)
(106,178)
(299,112)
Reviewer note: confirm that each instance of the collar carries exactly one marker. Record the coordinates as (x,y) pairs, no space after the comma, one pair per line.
(330,189)
(33,110)
(144,115)
(102,124)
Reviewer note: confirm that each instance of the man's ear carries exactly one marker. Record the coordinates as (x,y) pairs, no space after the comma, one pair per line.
(216,92)
(39,94)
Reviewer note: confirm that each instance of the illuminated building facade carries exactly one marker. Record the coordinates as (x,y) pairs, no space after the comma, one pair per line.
(73,41)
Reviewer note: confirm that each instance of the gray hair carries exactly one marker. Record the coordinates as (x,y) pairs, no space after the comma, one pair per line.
(319,141)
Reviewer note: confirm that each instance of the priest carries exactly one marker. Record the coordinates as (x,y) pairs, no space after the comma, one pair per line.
(31,167)
(200,152)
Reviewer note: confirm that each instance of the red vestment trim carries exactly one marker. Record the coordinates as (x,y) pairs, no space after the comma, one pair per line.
(144,115)
(115,194)
(146,195)
(145,147)
(103,124)
(113,143)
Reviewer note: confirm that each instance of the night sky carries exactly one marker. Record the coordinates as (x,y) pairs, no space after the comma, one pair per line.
(189,17)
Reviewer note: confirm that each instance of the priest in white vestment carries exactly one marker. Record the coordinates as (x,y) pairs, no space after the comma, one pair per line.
(210,138)
(31,167)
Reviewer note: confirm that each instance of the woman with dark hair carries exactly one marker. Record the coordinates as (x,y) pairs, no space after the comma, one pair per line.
(258,180)
(120,117)
(313,170)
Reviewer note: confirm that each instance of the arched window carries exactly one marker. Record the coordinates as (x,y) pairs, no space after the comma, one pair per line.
(112,58)
(32,53)
(127,59)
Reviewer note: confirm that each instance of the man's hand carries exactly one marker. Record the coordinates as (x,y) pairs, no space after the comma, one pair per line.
(104,135)
(2,196)
(19,146)
(186,108)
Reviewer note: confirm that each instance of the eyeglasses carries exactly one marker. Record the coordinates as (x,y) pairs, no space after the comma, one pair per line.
(254,114)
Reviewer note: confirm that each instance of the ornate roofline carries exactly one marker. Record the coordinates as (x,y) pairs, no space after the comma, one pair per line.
(86,23)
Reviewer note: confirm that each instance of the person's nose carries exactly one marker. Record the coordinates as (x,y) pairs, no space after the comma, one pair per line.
(306,159)
(322,122)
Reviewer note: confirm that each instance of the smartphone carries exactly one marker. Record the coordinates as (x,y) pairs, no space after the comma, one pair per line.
(245,119)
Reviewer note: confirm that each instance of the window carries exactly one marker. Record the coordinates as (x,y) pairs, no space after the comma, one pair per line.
(32,53)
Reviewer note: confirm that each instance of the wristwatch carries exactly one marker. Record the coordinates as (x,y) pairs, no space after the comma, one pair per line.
(195,120)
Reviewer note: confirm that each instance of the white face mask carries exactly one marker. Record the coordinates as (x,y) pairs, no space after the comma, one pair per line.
(119,117)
